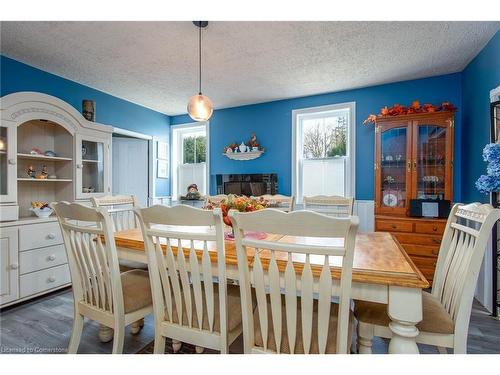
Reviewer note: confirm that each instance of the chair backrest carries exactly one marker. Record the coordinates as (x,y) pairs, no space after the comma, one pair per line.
(280,202)
(215,199)
(460,256)
(121,210)
(332,205)
(173,272)
(92,256)
(265,279)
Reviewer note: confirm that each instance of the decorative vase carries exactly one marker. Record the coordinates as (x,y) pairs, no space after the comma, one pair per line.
(243,147)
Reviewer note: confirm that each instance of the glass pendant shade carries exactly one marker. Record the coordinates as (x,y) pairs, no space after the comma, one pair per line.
(200,107)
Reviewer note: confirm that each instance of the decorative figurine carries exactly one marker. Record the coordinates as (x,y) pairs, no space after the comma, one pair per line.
(31,171)
(192,193)
(50,153)
(43,174)
(243,147)
(36,151)
(252,143)
(88,109)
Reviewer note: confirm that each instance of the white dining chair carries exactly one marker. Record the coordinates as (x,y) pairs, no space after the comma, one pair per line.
(287,323)
(279,201)
(120,208)
(447,309)
(190,305)
(332,205)
(100,292)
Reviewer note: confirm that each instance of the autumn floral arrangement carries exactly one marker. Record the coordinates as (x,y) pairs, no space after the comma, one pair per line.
(237,202)
(490,182)
(415,107)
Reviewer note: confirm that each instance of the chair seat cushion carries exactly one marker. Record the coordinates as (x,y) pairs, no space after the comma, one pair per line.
(435,318)
(233,310)
(136,290)
(331,344)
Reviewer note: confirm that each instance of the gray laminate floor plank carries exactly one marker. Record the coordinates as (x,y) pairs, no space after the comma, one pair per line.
(44,325)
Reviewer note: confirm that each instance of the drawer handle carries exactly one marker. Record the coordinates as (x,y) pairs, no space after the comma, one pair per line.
(14,266)
(393,226)
(51,257)
(51,236)
(51,279)
(12,161)
(434,228)
(435,252)
(436,241)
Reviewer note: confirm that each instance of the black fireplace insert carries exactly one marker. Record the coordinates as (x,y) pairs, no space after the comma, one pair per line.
(247,184)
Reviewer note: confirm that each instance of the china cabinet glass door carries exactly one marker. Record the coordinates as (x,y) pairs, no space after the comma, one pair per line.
(393,168)
(431,164)
(7,164)
(92,167)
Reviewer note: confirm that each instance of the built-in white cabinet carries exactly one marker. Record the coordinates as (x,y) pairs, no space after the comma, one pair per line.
(9,265)
(48,152)
(92,166)
(8,191)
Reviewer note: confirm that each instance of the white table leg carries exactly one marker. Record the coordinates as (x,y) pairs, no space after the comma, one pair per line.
(405,311)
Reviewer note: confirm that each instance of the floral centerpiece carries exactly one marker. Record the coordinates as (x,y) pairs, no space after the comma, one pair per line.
(240,203)
(491,181)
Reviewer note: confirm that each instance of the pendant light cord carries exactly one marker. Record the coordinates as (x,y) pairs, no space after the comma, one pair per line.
(199,50)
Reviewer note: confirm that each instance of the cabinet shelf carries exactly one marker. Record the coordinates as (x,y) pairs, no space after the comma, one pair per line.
(45,179)
(91,161)
(42,157)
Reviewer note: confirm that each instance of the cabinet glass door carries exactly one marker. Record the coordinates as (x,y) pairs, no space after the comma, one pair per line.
(393,169)
(92,167)
(431,167)
(8,168)
(3,161)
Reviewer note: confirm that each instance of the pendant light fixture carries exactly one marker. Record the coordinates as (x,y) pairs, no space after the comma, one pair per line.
(200,106)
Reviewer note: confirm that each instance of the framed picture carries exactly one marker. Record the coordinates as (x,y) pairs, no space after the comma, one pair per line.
(162,151)
(162,170)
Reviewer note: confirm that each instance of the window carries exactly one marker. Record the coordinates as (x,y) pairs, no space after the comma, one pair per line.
(189,158)
(323,151)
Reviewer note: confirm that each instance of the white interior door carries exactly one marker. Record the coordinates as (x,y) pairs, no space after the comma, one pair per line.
(130,168)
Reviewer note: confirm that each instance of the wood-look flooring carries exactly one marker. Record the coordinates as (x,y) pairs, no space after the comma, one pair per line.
(44,326)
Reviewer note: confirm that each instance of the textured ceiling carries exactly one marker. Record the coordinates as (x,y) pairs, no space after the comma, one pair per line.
(155,63)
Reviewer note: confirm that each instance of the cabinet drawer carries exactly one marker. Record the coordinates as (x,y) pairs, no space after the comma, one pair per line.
(421,250)
(393,226)
(431,228)
(39,235)
(418,239)
(39,259)
(36,282)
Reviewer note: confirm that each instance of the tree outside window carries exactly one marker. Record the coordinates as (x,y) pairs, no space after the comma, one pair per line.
(194,149)
(325,137)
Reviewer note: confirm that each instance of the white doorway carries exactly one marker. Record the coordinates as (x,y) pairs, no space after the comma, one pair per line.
(131,160)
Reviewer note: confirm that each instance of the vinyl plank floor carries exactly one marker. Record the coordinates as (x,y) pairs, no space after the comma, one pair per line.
(44,326)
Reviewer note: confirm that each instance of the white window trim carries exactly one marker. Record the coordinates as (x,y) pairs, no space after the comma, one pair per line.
(174,155)
(350,189)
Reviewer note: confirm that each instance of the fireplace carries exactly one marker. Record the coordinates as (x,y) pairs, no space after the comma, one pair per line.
(247,184)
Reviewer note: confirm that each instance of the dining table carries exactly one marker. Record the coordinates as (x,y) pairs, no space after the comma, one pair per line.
(382,273)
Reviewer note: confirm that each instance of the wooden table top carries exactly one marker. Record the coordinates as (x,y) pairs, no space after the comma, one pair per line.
(378,257)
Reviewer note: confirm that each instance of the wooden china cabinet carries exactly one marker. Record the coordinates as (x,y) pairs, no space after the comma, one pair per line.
(413,160)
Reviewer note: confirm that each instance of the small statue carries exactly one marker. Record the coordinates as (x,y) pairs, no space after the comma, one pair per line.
(31,172)
(43,174)
(252,143)
(192,192)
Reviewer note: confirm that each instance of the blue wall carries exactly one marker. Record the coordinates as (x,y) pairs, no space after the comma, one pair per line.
(110,110)
(478,78)
(272,122)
